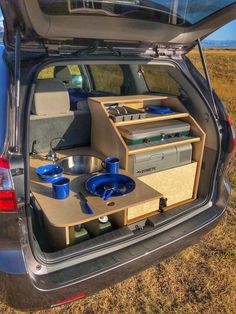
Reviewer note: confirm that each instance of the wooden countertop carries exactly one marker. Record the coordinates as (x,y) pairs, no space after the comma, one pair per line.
(71,211)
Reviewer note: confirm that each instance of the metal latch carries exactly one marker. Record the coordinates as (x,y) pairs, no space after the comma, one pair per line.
(53,49)
(163,204)
(57,49)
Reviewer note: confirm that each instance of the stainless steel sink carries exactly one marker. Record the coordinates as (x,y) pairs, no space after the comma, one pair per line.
(79,164)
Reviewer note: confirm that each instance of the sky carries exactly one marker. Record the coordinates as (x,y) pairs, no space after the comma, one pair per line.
(227,32)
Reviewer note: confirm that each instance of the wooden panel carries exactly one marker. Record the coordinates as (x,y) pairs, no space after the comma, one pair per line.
(131,221)
(198,152)
(133,105)
(117,219)
(105,138)
(71,211)
(57,237)
(141,210)
(153,119)
(198,149)
(126,99)
(174,103)
(133,151)
(177,184)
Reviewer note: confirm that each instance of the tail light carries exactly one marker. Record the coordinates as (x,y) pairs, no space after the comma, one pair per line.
(233,134)
(8,202)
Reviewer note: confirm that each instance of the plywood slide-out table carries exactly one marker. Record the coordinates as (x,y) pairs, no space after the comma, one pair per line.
(61,215)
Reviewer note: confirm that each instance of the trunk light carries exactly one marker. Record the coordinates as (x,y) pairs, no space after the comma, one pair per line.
(8,201)
(80,296)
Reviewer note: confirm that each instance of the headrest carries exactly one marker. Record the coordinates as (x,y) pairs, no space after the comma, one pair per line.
(62,73)
(51,97)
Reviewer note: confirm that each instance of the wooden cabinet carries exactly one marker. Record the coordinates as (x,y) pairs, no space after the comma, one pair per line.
(179,185)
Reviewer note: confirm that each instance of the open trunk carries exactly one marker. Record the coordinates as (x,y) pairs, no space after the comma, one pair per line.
(100,109)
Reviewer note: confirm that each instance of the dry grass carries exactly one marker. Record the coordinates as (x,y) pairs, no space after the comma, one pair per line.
(222,71)
(202,279)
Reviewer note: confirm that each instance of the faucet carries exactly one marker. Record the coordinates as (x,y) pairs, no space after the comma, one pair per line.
(33,150)
(52,155)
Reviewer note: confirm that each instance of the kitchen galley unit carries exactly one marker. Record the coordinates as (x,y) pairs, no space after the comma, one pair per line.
(158,148)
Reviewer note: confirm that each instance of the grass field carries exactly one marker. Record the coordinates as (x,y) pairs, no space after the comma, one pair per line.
(202,279)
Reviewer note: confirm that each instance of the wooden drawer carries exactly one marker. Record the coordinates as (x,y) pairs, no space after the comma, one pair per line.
(177,184)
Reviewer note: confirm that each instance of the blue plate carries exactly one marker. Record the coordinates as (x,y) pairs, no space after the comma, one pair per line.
(158,110)
(48,173)
(119,184)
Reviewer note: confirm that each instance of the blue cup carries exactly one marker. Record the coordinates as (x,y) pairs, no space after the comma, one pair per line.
(61,188)
(111,164)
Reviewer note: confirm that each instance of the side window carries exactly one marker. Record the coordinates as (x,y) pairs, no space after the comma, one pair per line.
(107,78)
(70,75)
(159,80)
(46,73)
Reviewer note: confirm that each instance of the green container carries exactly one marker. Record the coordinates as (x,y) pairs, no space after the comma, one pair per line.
(96,228)
(154,131)
(79,234)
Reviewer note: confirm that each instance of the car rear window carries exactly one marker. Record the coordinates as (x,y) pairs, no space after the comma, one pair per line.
(107,78)
(184,12)
(49,71)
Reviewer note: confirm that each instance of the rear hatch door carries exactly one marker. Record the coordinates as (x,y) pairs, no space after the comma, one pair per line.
(127,22)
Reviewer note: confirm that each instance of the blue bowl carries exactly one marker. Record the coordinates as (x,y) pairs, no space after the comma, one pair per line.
(120,184)
(48,173)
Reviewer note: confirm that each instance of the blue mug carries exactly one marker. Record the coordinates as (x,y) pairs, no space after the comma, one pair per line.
(61,188)
(111,164)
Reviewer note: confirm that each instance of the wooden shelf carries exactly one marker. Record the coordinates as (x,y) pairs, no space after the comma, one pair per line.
(135,150)
(129,100)
(153,119)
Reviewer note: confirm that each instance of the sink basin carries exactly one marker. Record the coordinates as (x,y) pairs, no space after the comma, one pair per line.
(79,164)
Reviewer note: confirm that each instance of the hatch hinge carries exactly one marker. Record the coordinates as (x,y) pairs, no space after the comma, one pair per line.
(214,107)
(173,52)
(55,50)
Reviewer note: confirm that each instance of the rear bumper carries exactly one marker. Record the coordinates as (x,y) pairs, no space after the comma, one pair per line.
(46,290)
